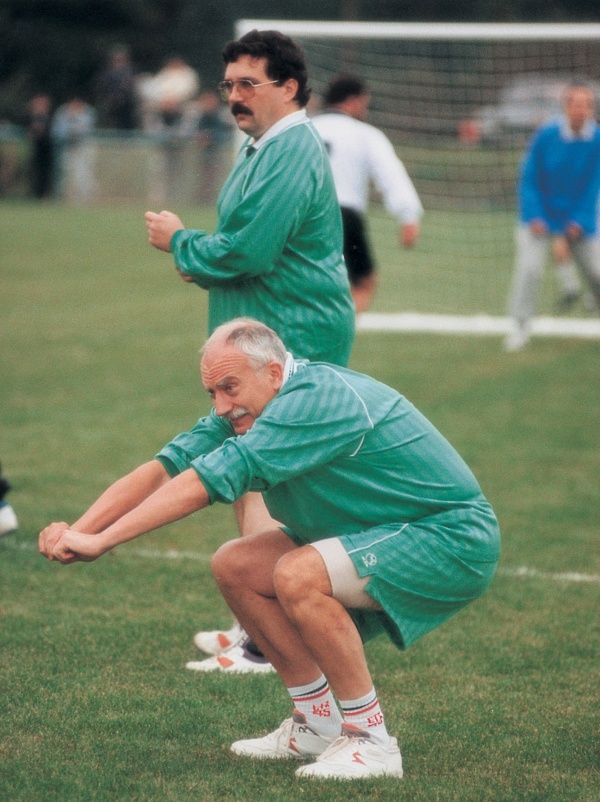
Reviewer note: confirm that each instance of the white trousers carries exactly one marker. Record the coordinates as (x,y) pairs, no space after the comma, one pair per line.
(531,255)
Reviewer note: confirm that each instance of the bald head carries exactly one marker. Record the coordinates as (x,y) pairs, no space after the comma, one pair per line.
(242,370)
(251,337)
(579,104)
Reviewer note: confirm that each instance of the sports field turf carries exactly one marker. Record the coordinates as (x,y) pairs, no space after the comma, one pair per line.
(99,342)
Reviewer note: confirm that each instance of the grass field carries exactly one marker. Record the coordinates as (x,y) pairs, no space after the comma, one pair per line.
(98,371)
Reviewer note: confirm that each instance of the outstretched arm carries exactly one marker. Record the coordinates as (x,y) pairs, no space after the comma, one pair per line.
(175,499)
(122,496)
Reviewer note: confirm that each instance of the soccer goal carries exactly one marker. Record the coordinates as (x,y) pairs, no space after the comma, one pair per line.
(459,102)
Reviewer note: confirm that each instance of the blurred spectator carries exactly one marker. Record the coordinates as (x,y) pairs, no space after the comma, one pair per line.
(168,91)
(72,130)
(8,519)
(166,102)
(559,189)
(116,98)
(213,133)
(41,165)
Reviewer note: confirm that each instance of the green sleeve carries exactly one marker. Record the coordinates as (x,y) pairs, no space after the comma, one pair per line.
(205,436)
(309,424)
(253,233)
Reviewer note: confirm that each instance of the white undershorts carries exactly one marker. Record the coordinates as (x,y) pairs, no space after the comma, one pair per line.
(346,585)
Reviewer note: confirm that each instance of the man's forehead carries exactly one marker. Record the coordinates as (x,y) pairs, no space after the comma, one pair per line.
(247,67)
(222,362)
(578,94)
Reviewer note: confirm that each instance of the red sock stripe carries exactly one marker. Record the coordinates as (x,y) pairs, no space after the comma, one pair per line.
(311,696)
(361,710)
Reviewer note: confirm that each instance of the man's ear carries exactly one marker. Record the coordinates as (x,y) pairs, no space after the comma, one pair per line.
(291,88)
(276,374)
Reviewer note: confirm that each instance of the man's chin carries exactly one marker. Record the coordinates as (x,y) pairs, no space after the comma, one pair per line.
(242,424)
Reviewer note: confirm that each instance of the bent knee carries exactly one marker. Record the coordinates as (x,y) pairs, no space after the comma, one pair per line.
(299,573)
(230,561)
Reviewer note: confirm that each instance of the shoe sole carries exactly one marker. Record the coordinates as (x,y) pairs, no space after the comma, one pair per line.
(346,777)
(194,665)
(270,755)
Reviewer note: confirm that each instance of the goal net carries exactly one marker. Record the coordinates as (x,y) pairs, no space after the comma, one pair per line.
(459,102)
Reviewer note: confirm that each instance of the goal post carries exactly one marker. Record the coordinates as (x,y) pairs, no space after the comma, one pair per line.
(459,101)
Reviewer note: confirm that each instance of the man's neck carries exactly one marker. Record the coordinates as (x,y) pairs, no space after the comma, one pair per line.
(280,124)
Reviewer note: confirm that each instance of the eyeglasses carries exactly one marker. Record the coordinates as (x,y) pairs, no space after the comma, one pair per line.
(244,86)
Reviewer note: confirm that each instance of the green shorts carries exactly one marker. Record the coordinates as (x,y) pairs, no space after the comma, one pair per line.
(422,573)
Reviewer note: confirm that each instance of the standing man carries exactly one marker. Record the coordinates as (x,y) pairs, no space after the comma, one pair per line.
(362,155)
(384,529)
(558,198)
(276,254)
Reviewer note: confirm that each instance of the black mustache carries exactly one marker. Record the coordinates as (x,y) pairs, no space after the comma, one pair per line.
(238,108)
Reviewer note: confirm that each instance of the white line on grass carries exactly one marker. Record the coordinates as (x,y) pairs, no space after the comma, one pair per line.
(586,328)
(518,572)
(523,572)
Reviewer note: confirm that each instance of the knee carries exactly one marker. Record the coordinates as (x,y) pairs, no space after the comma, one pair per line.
(229,564)
(294,580)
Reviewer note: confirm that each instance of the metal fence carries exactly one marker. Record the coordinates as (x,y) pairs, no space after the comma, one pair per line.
(114,167)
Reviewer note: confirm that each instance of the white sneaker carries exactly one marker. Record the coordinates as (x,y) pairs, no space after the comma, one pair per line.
(354,756)
(237,660)
(516,339)
(292,739)
(8,519)
(219,641)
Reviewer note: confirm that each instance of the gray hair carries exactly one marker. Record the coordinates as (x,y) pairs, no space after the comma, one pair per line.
(258,342)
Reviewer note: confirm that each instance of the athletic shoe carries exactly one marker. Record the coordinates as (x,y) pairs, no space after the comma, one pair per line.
(355,755)
(516,340)
(219,641)
(8,519)
(237,660)
(293,739)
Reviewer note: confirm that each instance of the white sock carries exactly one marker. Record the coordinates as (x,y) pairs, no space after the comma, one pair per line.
(364,714)
(316,702)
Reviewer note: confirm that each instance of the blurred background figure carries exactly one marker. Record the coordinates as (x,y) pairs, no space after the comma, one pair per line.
(72,130)
(8,518)
(567,278)
(213,133)
(115,92)
(361,155)
(167,106)
(168,91)
(41,150)
(558,201)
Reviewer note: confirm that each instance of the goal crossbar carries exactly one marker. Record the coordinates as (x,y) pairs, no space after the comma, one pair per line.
(466,31)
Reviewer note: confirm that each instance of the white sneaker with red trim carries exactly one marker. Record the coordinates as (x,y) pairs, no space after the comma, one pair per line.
(237,660)
(355,756)
(293,739)
(218,641)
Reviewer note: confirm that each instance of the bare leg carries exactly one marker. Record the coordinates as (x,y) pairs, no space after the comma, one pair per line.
(304,591)
(282,596)
(252,515)
(252,518)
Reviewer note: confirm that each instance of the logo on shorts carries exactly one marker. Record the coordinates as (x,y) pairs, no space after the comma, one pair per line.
(369,559)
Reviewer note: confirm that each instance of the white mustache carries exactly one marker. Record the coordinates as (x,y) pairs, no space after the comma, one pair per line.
(238,412)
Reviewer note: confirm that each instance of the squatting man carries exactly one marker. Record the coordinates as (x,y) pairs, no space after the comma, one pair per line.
(383,528)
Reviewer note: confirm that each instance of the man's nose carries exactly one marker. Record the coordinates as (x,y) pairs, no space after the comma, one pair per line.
(222,404)
(234,95)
